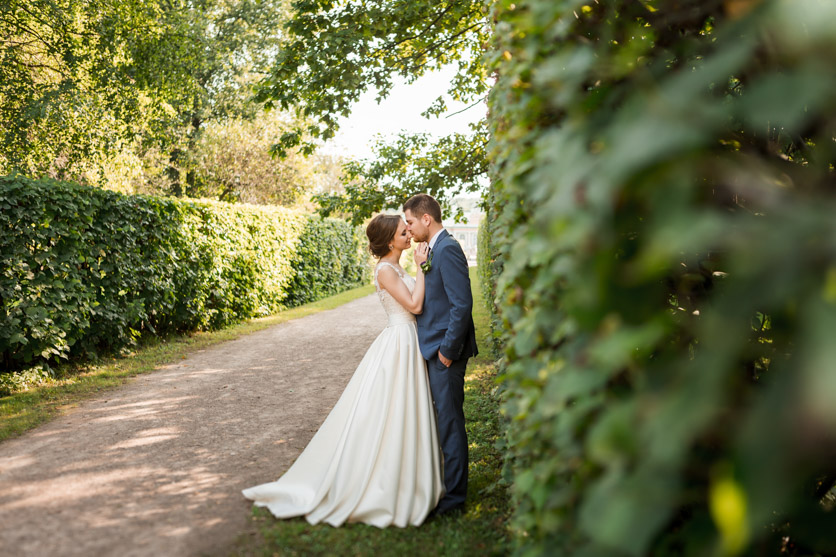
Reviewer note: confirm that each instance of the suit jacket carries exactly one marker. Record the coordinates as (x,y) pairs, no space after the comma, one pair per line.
(446,323)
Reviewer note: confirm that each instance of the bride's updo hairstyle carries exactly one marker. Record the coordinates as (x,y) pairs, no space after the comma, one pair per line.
(380,231)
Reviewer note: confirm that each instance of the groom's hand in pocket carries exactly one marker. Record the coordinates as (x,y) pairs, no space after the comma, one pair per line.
(447,362)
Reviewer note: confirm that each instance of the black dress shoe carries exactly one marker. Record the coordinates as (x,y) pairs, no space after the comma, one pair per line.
(450,511)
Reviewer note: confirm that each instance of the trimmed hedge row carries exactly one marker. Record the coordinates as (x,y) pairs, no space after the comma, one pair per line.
(327,260)
(487,266)
(86,270)
(665,217)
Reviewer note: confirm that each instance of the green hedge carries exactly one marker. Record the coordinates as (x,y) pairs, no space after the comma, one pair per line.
(665,218)
(329,257)
(487,268)
(86,270)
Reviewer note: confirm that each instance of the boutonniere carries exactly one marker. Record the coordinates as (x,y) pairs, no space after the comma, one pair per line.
(428,264)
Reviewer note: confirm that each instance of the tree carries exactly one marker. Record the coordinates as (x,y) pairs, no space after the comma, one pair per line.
(227,46)
(334,51)
(74,87)
(85,84)
(409,165)
(231,162)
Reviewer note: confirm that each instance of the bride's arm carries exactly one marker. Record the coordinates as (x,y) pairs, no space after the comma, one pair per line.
(389,280)
(419,290)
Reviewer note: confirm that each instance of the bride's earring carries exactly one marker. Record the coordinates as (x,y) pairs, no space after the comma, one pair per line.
(390,247)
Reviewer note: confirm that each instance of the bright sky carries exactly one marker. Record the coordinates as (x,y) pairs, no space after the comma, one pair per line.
(401,110)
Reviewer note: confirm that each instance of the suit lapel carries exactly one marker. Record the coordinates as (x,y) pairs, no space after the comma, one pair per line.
(441,235)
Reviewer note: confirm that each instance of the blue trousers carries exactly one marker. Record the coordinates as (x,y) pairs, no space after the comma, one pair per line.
(447,386)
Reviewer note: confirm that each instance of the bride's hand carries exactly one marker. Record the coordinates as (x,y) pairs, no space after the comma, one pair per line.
(420,253)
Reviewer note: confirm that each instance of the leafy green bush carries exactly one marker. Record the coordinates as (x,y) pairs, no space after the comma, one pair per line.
(24,379)
(664,192)
(85,270)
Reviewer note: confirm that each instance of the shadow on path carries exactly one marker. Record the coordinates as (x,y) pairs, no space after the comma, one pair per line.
(156,467)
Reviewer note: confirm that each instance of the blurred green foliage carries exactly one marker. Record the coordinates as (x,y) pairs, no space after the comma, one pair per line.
(664,225)
(86,270)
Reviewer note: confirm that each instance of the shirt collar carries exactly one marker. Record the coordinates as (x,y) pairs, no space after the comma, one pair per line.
(434,239)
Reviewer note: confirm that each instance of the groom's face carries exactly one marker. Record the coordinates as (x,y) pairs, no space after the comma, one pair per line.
(417,227)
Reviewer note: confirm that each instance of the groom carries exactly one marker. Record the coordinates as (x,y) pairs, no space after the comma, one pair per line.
(446,337)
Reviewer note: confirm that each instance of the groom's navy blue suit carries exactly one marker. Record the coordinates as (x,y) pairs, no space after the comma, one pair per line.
(446,324)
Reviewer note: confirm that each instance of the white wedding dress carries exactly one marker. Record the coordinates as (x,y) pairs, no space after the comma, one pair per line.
(376,458)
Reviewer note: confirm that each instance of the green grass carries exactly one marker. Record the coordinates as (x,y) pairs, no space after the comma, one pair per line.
(25,410)
(481,530)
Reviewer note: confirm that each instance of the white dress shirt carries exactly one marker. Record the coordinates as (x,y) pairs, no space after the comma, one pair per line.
(435,238)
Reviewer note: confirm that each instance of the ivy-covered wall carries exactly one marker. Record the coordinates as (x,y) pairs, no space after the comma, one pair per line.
(84,270)
(664,204)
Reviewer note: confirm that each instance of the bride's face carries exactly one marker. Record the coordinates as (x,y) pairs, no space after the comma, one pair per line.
(403,238)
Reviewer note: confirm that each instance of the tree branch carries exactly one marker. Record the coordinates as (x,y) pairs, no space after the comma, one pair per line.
(466,108)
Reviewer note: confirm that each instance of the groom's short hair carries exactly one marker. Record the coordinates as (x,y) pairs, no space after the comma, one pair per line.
(423,204)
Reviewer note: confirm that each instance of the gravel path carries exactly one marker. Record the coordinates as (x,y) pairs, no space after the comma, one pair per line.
(156,467)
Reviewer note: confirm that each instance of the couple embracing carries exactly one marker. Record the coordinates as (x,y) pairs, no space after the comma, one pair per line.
(393,450)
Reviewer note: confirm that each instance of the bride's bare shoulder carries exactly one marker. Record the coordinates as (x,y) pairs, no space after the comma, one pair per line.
(386,271)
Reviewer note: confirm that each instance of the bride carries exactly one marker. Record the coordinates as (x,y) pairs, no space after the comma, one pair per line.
(376,458)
